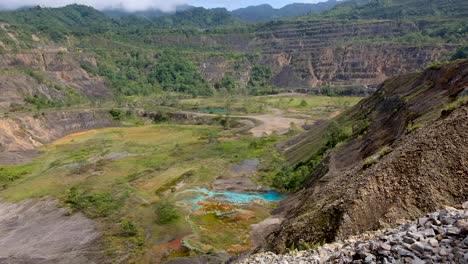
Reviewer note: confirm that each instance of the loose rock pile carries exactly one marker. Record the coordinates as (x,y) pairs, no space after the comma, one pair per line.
(440,237)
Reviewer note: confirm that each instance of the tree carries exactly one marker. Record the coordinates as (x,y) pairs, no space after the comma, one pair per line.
(461,53)
(227,83)
(260,76)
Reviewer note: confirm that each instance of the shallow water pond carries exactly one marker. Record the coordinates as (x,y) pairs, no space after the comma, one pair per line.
(234,197)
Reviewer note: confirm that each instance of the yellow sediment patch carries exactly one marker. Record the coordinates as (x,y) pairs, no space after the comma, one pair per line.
(74,135)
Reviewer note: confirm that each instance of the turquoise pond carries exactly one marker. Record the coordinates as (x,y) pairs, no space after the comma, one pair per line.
(220,111)
(234,197)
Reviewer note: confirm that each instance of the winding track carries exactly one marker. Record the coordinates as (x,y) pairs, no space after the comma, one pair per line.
(264,124)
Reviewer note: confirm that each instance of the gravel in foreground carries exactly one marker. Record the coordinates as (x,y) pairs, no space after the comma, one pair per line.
(439,237)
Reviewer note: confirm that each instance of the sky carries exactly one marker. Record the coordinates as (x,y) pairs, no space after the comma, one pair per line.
(138,5)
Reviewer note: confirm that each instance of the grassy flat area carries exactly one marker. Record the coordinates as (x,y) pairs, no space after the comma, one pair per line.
(120,175)
(314,106)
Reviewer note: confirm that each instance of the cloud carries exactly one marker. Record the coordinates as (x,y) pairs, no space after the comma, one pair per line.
(130,5)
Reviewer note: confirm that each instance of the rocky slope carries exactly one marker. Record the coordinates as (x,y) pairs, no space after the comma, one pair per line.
(51,73)
(439,237)
(44,77)
(404,159)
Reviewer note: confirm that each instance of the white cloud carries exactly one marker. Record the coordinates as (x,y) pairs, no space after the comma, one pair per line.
(130,5)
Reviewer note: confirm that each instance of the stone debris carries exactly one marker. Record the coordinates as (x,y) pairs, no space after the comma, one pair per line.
(439,237)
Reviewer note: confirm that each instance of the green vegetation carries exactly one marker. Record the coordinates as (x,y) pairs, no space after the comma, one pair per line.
(228,83)
(260,79)
(460,53)
(96,204)
(290,179)
(436,65)
(385,150)
(136,54)
(370,161)
(462,100)
(166,212)
(337,132)
(177,74)
(129,229)
(9,174)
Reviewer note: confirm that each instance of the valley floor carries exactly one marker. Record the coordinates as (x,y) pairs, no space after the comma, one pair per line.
(155,191)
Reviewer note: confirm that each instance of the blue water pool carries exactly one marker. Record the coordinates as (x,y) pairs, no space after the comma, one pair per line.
(235,197)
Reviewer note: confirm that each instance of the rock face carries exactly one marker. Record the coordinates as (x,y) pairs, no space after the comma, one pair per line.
(47,75)
(25,132)
(435,238)
(56,70)
(40,232)
(426,168)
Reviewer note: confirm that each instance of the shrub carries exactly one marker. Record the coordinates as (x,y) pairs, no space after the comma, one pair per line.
(166,212)
(210,135)
(412,127)
(128,229)
(370,161)
(160,117)
(385,150)
(116,114)
(38,76)
(98,204)
(40,102)
(291,179)
(436,65)
(456,104)
(460,53)
(303,103)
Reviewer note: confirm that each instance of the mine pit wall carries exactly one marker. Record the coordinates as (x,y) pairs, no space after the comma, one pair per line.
(27,131)
(310,54)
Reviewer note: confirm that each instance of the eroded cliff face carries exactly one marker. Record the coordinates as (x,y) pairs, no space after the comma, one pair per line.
(57,73)
(392,170)
(348,65)
(25,132)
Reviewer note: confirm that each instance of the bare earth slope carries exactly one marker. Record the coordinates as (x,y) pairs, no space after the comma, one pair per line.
(39,232)
(427,168)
